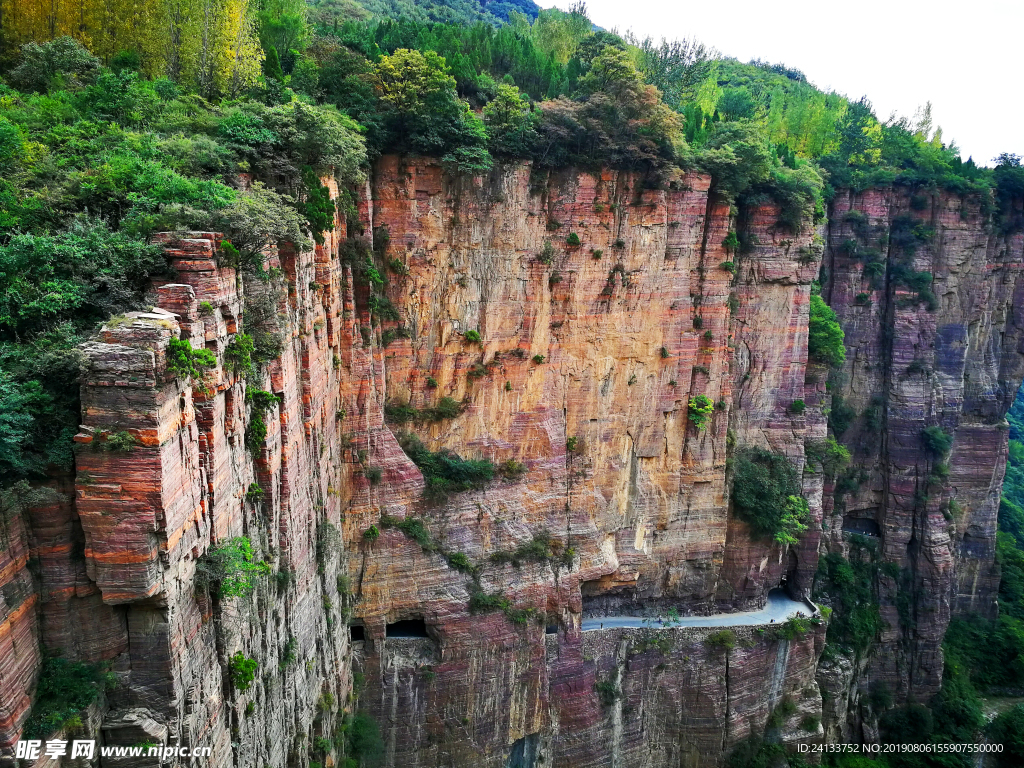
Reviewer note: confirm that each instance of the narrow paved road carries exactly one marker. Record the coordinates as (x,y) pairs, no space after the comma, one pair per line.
(779,608)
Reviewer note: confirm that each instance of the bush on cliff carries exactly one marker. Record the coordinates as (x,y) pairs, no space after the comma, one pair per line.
(850,589)
(824,336)
(361,741)
(766,494)
(65,688)
(937,441)
(183,360)
(1008,729)
(700,409)
(231,570)
(242,670)
(832,456)
(444,471)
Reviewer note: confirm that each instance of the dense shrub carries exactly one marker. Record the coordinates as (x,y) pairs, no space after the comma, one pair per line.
(231,570)
(832,456)
(444,471)
(362,741)
(723,638)
(824,336)
(841,415)
(183,360)
(936,441)
(242,670)
(766,494)
(849,587)
(700,409)
(260,403)
(607,692)
(1008,729)
(423,113)
(65,688)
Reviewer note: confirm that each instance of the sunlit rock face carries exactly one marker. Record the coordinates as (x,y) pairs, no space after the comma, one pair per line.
(603,306)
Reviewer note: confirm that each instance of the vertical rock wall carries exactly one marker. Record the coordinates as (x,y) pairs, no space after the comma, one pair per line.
(625,294)
(603,307)
(950,360)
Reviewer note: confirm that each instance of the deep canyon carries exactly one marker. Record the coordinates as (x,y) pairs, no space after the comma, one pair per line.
(590,350)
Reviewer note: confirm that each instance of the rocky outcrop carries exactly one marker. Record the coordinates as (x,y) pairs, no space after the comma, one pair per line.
(603,307)
(923,351)
(629,297)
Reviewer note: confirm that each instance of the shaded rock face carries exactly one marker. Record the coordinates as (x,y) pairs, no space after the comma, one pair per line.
(943,355)
(602,308)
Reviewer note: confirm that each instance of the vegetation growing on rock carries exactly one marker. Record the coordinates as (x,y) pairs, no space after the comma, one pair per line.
(766,494)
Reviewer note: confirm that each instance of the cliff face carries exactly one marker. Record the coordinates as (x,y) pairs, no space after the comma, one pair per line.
(950,360)
(642,497)
(602,308)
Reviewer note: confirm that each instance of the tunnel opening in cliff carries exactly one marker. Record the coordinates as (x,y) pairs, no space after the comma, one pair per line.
(863,526)
(525,752)
(357,633)
(407,628)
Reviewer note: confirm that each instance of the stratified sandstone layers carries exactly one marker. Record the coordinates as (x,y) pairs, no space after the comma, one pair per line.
(163,477)
(628,296)
(602,307)
(939,350)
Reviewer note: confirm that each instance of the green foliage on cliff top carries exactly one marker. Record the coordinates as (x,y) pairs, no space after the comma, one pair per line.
(88,170)
(95,159)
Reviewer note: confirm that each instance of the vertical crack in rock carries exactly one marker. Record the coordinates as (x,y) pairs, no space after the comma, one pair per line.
(645,499)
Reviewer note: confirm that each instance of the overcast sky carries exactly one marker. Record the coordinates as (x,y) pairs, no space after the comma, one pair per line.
(964,55)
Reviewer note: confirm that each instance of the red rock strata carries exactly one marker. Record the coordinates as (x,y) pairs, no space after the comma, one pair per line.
(603,306)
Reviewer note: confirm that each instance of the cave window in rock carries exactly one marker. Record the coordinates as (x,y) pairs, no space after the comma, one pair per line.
(408,628)
(357,633)
(863,526)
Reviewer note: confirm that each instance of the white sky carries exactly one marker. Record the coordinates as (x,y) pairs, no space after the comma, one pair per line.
(962,55)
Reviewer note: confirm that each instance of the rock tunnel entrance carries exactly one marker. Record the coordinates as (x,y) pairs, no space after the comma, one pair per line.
(408,628)
(863,526)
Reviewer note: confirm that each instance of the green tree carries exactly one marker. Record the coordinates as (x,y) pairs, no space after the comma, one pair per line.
(677,68)
(283,28)
(824,336)
(766,494)
(64,62)
(425,114)
(272,64)
(510,123)
(258,219)
(83,274)
(1008,729)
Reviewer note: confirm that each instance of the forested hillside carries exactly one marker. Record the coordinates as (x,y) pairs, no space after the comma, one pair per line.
(139,131)
(121,120)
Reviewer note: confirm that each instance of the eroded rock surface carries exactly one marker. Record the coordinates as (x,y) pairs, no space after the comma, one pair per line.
(602,307)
